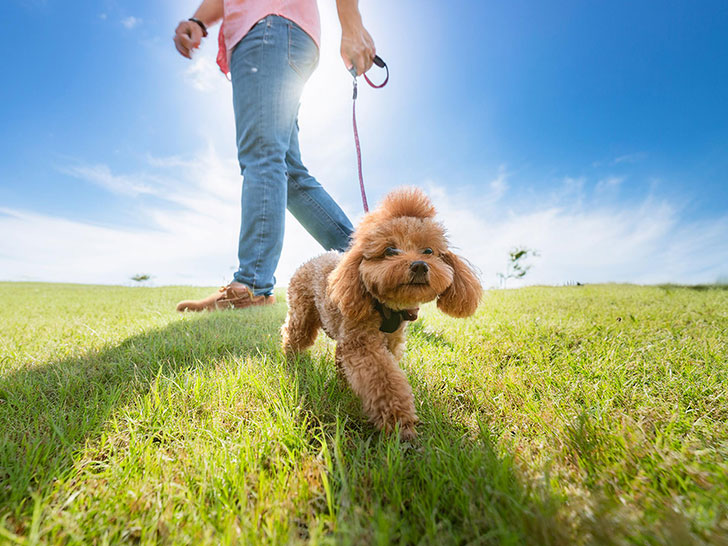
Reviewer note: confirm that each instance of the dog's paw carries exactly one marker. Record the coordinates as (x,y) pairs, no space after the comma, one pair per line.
(407,433)
(405,426)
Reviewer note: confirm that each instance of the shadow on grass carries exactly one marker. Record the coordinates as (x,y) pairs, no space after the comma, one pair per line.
(695,287)
(48,412)
(417,330)
(449,486)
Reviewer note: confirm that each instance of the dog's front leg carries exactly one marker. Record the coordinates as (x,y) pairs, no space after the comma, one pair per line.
(374,375)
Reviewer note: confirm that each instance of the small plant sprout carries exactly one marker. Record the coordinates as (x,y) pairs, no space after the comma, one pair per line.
(517,267)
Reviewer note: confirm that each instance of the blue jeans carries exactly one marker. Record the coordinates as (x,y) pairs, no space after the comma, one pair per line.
(269,68)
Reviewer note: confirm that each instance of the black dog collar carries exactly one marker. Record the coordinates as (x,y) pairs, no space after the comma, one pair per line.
(391,319)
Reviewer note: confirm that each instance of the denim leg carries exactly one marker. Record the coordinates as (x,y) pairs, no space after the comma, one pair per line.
(311,204)
(269,67)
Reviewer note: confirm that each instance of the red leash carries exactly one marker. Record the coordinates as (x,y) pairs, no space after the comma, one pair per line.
(381,64)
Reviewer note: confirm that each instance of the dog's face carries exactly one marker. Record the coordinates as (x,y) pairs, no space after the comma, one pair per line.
(400,257)
(402,262)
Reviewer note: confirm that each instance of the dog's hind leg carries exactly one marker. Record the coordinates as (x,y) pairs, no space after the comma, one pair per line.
(302,323)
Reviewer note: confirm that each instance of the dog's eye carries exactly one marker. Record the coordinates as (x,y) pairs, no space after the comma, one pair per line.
(391,251)
(427,251)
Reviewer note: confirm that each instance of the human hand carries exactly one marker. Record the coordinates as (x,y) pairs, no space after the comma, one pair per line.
(187,37)
(357,49)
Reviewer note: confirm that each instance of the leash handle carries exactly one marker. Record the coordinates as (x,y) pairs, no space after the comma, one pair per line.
(381,64)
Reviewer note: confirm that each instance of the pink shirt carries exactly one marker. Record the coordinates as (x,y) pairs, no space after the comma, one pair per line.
(239,16)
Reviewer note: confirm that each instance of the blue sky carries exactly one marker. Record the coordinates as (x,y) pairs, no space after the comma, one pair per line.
(596,133)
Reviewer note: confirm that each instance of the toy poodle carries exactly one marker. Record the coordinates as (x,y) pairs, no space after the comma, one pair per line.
(398,259)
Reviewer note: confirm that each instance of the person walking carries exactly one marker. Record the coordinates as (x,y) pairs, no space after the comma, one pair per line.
(270,48)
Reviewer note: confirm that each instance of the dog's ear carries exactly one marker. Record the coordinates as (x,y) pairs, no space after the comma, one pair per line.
(463,295)
(346,288)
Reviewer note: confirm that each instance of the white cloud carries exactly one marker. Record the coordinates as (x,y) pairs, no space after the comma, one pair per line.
(202,72)
(101,175)
(498,186)
(635,157)
(630,158)
(131,22)
(609,184)
(195,241)
(648,243)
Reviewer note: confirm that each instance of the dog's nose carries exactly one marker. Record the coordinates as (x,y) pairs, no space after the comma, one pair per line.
(419,267)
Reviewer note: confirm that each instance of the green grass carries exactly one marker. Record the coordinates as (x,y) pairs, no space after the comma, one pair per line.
(579,415)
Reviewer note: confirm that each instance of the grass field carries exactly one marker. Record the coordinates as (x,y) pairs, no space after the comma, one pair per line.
(578,415)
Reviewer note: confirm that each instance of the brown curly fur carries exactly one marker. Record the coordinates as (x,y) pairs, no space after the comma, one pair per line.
(337,293)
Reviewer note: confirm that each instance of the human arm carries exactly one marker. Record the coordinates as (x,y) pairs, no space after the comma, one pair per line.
(357,46)
(188,34)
